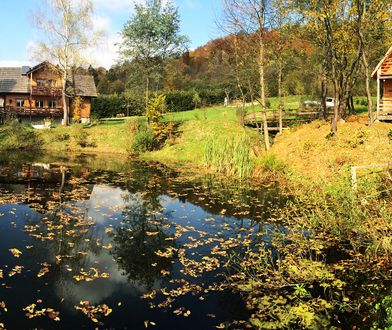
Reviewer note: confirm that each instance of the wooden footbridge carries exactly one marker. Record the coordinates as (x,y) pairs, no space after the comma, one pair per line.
(277,120)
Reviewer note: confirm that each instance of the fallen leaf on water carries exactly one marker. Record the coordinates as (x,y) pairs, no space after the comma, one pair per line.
(16,253)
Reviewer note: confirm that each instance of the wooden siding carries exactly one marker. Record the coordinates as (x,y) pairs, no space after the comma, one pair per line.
(386,67)
(386,100)
(86,108)
(46,74)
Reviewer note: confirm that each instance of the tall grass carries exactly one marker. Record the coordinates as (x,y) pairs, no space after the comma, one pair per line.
(231,156)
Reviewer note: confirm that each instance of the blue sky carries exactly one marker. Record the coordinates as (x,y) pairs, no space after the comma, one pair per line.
(17,31)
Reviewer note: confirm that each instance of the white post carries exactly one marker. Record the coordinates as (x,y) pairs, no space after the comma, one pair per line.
(354,177)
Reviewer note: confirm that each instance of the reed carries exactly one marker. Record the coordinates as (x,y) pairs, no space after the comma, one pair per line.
(230,156)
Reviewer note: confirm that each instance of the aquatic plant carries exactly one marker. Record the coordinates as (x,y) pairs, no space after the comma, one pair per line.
(230,156)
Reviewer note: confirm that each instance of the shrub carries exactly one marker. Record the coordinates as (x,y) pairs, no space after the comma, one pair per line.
(14,136)
(144,137)
(79,137)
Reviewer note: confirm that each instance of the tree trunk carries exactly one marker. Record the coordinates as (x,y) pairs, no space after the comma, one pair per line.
(324,91)
(64,100)
(147,89)
(261,74)
(280,84)
(368,93)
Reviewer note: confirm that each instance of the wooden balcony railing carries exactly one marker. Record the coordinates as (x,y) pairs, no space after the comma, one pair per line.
(46,91)
(41,112)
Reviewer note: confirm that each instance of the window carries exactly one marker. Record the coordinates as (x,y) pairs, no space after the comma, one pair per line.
(39,103)
(20,103)
(52,104)
(41,83)
(52,83)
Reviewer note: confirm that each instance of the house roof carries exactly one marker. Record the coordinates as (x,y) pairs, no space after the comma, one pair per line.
(83,86)
(374,74)
(42,65)
(12,81)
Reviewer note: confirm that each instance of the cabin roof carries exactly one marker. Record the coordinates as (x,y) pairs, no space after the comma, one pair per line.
(13,81)
(83,85)
(374,74)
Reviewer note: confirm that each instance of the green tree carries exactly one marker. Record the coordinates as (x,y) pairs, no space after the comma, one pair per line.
(151,36)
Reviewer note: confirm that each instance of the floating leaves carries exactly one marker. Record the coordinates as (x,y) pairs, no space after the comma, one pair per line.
(90,275)
(94,313)
(16,270)
(15,252)
(32,312)
(147,323)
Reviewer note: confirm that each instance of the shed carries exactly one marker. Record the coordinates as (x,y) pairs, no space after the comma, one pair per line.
(383,74)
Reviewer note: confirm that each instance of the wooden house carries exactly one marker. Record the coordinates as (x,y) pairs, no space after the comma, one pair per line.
(383,74)
(33,94)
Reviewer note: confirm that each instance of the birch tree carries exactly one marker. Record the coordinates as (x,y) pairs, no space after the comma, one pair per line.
(66,30)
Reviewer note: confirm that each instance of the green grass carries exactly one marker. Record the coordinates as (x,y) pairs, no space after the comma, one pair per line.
(196,130)
(108,137)
(212,113)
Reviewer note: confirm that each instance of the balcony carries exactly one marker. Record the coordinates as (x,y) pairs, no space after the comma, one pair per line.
(36,112)
(46,91)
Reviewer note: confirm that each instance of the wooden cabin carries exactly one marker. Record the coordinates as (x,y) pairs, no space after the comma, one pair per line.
(383,74)
(34,94)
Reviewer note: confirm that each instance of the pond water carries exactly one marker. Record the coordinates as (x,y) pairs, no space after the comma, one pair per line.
(90,241)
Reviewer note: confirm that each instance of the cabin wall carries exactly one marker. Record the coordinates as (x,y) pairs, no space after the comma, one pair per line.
(86,108)
(387,92)
(46,74)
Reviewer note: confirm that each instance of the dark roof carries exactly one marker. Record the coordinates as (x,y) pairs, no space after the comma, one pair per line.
(83,86)
(12,81)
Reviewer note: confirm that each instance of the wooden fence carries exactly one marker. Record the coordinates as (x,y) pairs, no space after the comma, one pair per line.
(278,120)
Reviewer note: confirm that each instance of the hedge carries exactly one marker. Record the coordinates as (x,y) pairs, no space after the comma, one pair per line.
(110,105)
(105,106)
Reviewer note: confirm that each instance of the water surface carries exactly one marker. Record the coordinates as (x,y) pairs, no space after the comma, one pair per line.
(95,242)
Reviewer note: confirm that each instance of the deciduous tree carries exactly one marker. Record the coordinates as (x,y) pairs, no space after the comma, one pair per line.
(66,31)
(151,36)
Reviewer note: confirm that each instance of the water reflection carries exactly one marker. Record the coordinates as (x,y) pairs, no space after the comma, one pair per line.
(152,231)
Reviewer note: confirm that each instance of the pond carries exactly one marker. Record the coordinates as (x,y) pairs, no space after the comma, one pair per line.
(91,241)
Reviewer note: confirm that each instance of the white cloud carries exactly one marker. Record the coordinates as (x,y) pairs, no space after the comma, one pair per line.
(116,5)
(13,64)
(106,52)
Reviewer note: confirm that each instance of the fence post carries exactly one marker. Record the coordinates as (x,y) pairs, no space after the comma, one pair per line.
(354,177)
(280,120)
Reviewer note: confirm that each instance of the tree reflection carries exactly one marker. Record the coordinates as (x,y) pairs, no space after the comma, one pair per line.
(136,242)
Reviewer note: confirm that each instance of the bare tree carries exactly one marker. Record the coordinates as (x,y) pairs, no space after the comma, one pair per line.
(66,31)
(248,16)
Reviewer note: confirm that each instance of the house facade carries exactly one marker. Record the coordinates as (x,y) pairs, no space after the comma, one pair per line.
(383,74)
(34,94)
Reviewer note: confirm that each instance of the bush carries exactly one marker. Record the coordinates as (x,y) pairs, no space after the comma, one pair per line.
(14,136)
(79,137)
(144,137)
(105,106)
